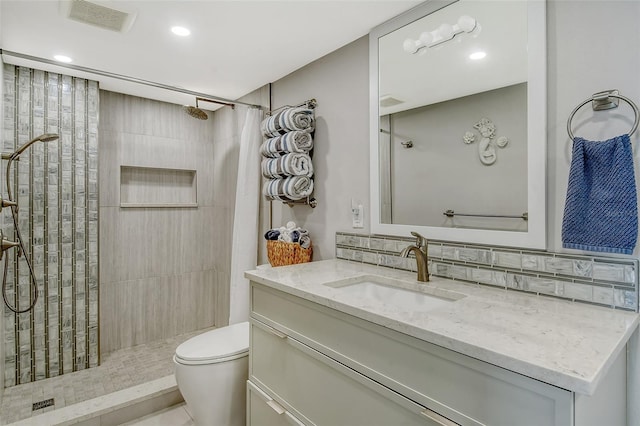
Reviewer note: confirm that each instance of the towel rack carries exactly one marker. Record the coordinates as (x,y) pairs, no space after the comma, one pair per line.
(311,104)
(309,201)
(604,100)
(451,213)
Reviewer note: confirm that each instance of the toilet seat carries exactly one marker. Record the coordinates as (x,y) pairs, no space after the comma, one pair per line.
(219,345)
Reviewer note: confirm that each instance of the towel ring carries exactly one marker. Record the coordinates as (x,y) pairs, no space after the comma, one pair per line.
(600,97)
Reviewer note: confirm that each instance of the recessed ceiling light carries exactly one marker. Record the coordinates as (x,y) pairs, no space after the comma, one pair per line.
(62,58)
(477,55)
(180,31)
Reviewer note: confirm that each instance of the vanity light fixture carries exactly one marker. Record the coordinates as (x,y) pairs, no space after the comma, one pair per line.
(477,55)
(180,31)
(443,33)
(62,58)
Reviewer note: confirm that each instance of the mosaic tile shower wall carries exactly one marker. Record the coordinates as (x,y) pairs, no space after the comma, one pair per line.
(604,281)
(57,190)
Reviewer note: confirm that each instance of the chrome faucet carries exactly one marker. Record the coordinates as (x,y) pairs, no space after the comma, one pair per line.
(420,250)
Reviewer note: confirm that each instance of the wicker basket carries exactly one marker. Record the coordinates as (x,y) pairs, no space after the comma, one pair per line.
(281,253)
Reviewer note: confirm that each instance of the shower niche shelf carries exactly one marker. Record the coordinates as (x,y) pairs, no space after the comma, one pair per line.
(154,187)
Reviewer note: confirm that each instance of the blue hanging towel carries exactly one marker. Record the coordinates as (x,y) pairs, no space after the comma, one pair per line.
(601,212)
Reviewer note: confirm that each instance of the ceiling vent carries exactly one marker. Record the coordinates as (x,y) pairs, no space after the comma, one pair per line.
(98,15)
(389,101)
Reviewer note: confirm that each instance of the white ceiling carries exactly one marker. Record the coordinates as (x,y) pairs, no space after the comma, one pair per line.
(234,48)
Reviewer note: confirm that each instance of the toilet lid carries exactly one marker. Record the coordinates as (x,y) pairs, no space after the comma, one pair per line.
(215,344)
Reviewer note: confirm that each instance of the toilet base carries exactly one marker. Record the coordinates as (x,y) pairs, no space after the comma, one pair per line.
(215,393)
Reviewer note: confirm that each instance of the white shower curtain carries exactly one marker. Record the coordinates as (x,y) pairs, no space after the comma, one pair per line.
(244,251)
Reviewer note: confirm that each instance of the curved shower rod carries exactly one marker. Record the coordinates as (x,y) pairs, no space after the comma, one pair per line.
(125,78)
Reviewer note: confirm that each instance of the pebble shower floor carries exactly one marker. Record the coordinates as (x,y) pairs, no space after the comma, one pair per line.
(119,370)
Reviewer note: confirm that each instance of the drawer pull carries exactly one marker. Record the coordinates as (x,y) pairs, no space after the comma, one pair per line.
(438,418)
(275,332)
(276,407)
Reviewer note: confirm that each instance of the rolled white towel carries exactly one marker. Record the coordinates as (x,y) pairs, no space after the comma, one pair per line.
(299,141)
(304,241)
(286,237)
(291,188)
(288,165)
(287,120)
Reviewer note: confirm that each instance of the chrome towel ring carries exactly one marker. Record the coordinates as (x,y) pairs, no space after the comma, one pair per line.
(602,101)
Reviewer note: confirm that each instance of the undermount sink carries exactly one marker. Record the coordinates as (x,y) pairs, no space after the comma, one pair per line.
(381,291)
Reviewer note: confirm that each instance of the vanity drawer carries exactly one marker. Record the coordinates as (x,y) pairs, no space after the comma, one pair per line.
(321,391)
(464,389)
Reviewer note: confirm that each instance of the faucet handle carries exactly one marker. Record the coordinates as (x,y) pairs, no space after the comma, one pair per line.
(420,240)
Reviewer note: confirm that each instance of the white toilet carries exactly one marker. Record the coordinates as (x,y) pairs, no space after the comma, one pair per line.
(211,371)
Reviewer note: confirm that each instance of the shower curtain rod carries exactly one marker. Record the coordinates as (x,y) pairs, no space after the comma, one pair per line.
(214,99)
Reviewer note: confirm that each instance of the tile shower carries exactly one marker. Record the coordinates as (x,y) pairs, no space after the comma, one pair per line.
(57,191)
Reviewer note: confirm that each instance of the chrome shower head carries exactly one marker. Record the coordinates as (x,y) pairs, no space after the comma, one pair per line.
(47,137)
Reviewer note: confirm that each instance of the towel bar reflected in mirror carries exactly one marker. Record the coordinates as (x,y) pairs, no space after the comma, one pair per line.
(451,213)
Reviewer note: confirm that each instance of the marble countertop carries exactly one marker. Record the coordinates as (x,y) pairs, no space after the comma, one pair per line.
(569,345)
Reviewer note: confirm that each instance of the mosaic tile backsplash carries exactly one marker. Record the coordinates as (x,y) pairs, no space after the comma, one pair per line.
(605,281)
(57,190)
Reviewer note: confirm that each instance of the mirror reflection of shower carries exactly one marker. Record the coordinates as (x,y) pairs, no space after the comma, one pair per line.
(6,244)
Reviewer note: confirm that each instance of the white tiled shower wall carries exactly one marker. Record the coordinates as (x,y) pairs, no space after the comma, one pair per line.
(611,282)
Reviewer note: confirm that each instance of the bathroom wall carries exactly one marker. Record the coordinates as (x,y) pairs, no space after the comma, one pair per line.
(56,187)
(580,61)
(340,84)
(161,266)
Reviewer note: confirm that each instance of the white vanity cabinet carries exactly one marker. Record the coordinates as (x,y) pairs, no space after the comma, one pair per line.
(311,364)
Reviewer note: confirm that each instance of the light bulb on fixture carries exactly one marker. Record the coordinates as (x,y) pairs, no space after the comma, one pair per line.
(411,46)
(426,38)
(466,23)
(443,33)
(477,55)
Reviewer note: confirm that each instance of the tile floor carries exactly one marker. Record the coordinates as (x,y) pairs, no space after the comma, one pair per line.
(118,370)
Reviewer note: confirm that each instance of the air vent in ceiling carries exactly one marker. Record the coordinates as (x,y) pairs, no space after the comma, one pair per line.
(389,101)
(98,15)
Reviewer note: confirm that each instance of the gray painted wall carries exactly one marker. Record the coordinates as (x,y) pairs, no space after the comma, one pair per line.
(340,84)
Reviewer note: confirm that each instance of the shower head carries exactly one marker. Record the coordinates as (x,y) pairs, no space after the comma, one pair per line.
(47,137)
(196,112)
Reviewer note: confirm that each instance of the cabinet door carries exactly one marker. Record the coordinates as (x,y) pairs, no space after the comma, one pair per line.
(324,391)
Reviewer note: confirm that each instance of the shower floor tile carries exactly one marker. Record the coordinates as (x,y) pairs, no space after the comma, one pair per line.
(119,370)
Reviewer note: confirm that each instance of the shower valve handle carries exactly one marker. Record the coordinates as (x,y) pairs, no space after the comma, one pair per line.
(7,203)
(7,244)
